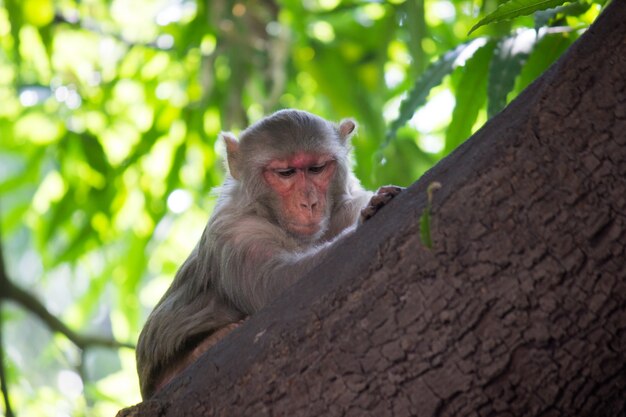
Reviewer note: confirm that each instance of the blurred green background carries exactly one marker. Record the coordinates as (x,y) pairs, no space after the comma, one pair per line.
(109,114)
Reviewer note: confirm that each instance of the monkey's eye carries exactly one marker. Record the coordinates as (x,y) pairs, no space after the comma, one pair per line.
(316,169)
(286,173)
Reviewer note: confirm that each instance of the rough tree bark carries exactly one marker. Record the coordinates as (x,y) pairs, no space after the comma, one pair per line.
(519,309)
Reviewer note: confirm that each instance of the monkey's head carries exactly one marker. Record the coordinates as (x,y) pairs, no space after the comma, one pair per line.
(295,164)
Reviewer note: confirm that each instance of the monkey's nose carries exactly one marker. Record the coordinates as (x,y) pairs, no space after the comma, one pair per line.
(309,205)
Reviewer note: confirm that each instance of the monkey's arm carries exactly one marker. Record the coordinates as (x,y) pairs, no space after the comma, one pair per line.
(257,270)
(187,312)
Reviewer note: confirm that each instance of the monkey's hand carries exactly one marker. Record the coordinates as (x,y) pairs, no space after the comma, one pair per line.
(380,199)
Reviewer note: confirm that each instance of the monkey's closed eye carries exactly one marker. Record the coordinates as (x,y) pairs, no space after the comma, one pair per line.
(286,173)
(316,169)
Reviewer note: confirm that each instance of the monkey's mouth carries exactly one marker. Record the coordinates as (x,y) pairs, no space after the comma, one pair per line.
(306,229)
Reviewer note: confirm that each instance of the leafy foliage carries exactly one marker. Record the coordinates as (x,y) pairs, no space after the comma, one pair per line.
(516,8)
(432,77)
(109,114)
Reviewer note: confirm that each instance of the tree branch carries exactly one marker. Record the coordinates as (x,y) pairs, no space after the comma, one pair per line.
(8,411)
(12,292)
(30,303)
(4,386)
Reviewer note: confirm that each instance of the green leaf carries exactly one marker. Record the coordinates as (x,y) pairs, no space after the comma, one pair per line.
(516,8)
(405,161)
(13,217)
(432,77)
(16,18)
(135,268)
(15,182)
(79,244)
(425,234)
(507,62)
(547,50)
(89,303)
(60,213)
(470,97)
(542,18)
(178,159)
(94,153)
(38,13)
(418,30)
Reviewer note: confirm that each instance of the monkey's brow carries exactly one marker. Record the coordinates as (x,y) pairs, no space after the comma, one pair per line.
(296,165)
(300,167)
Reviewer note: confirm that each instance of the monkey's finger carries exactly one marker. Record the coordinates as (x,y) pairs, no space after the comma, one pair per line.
(380,200)
(367,213)
(376,203)
(390,189)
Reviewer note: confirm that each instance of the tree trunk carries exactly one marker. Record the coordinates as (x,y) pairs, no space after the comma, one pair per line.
(519,308)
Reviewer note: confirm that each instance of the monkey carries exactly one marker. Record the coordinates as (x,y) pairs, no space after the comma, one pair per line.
(288,198)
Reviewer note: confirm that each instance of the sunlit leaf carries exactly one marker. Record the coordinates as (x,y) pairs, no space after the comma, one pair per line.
(470,97)
(12,217)
(432,77)
(134,270)
(17,20)
(77,245)
(38,128)
(27,176)
(404,160)
(543,17)
(547,50)
(418,29)
(60,212)
(516,8)
(38,12)
(88,303)
(508,58)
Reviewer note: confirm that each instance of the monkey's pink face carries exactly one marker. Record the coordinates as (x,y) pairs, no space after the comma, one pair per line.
(301,184)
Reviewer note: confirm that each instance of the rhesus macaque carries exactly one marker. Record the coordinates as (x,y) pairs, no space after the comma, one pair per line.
(289,198)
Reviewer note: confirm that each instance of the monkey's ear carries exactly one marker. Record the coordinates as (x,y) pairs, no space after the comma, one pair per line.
(347,128)
(232,153)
